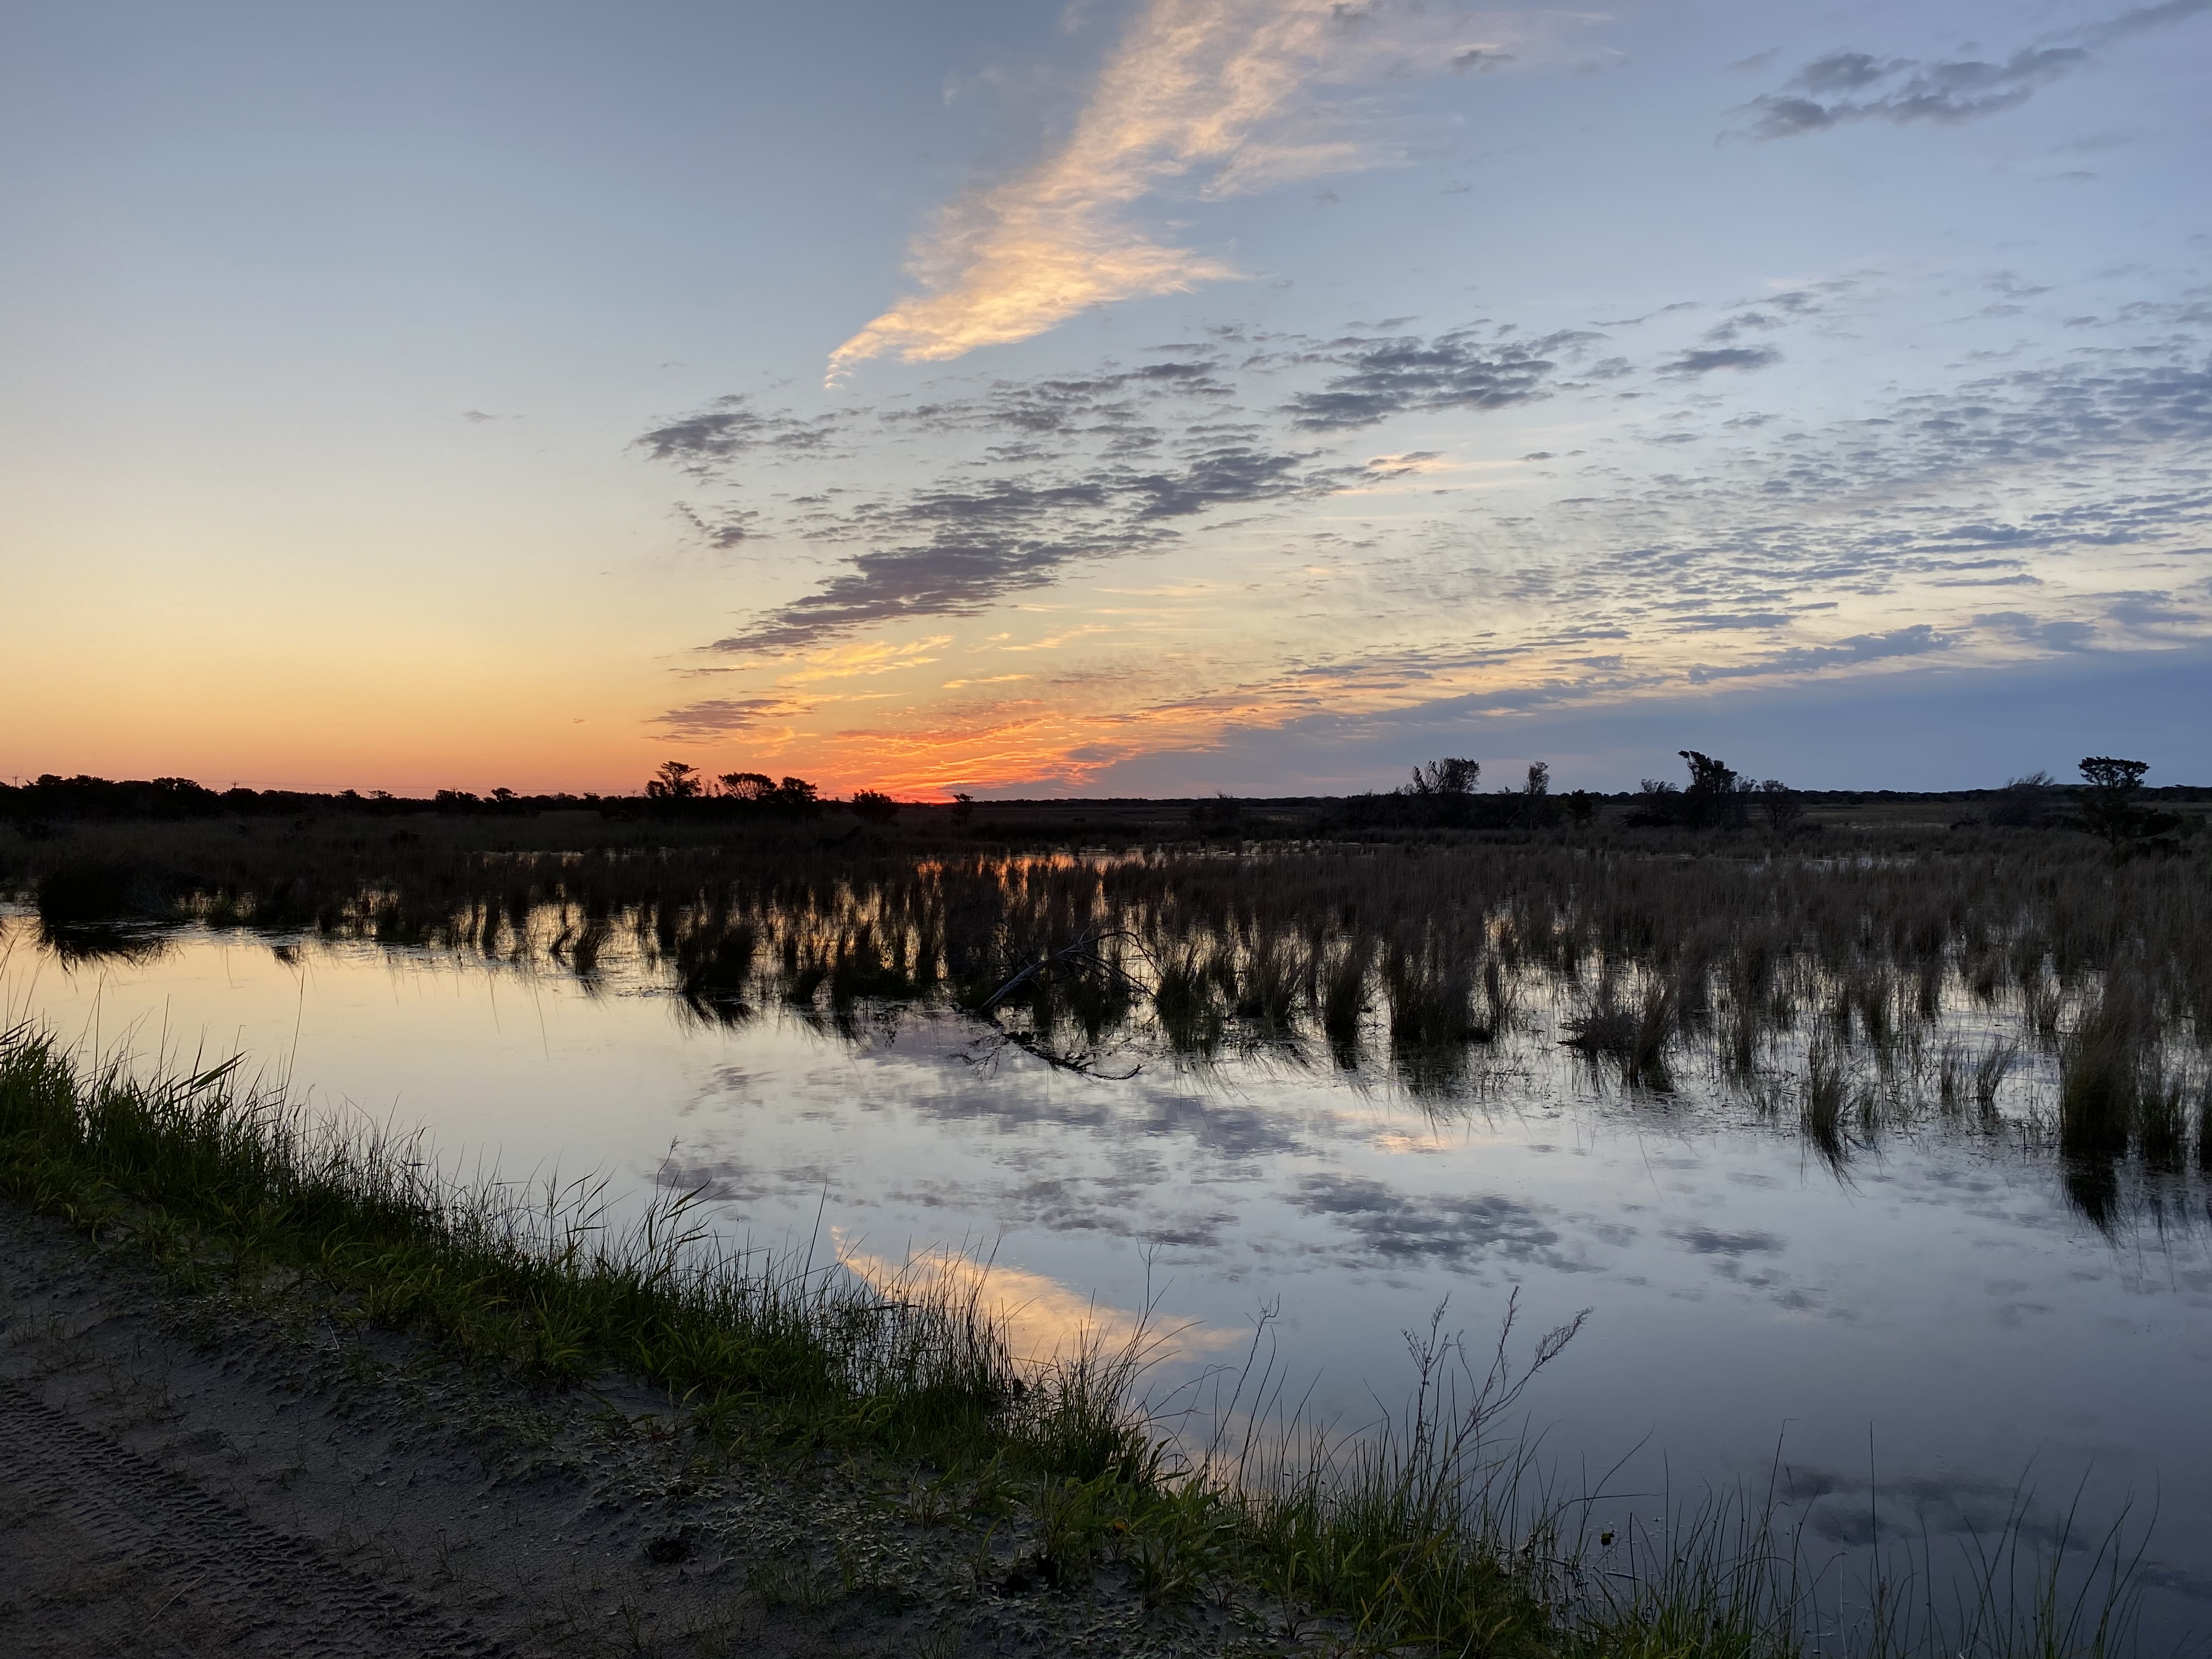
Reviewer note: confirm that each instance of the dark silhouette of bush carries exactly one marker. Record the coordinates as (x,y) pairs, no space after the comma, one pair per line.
(2024,803)
(1451,776)
(1717,798)
(872,806)
(756,791)
(85,890)
(1222,816)
(1658,804)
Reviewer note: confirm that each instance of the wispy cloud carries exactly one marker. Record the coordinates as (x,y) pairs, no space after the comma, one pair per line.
(730,428)
(1216,98)
(723,717)
(1846,87)
(975,545)
(1388,376)
(1736,357)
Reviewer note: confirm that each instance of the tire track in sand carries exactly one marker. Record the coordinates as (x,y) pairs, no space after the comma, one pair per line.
(271,1593)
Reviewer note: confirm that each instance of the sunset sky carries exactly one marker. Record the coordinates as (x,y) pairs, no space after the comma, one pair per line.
(1104,398)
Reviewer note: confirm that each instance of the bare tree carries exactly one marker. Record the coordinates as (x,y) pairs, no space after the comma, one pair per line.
(1780,804)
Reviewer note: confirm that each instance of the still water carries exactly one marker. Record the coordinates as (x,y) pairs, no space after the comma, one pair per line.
(1918,1332)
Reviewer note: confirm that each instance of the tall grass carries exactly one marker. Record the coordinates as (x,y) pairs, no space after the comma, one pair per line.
(536,1279)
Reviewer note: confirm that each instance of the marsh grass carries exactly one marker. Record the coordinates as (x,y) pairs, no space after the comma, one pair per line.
(535,1279)
(1731,1576)
(1929,971)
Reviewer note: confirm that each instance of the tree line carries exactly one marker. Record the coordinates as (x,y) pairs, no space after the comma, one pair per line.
(2110,802)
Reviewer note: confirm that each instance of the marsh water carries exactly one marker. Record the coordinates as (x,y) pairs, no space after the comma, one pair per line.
(1904,1328)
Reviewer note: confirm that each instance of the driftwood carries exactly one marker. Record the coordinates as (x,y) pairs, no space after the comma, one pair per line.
(1083,956)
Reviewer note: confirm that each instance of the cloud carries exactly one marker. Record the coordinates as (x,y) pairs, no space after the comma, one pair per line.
(978,544)
(1846,86)
(2143,18)
(1404,1226)
(720,717)
(1386,377)
(1705,1240)
(727,531)
(1705,361)
(1114,404)
(1215,98)
(730,428)
(1786,550)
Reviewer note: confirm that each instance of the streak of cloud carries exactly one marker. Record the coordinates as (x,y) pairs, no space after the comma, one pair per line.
(1846,87)
(1228,93)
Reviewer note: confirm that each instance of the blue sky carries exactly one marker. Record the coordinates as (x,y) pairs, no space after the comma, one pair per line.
(1105,397)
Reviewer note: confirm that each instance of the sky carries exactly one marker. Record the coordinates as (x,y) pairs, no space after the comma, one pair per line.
(1110,398)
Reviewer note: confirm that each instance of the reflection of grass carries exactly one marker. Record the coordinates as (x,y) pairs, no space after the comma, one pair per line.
(1827,1091)
(1422,1536)
(89,890)
(1635,1039)
(1906,955)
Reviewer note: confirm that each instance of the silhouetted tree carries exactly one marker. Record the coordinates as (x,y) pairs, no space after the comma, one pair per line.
(1582,806)
(1780,804)
(1535,804)
(676,781)
(797,796)
(757,792)
(2110,807)
(964,808)
(1716,795)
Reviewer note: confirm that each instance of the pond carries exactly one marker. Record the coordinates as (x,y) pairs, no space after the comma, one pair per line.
(1903,1323)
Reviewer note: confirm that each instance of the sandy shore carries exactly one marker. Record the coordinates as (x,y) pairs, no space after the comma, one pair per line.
(196,1474)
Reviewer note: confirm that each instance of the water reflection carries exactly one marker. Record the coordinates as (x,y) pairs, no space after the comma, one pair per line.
(1044,1320)
(1952,1298)
(79,943)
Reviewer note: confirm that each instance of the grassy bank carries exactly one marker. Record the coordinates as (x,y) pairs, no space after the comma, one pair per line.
(1424,1536)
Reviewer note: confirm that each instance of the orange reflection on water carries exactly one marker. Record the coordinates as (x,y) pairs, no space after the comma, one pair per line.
(1042,1319)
